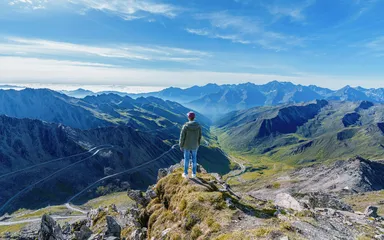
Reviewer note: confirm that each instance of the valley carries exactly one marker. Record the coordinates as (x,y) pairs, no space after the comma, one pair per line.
(99,154)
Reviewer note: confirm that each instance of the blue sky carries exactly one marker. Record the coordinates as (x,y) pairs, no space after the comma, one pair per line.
(151,43)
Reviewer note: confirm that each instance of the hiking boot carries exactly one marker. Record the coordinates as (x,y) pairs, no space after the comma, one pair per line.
(184,175)
(193,175)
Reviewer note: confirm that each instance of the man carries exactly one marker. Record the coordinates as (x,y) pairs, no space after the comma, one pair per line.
(190,138)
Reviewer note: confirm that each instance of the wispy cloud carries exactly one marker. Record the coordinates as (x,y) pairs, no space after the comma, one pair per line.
(375,46)
(207,33)
(32,70)
(130,9)
(32,47)
(125,9)
(29,4)
(295,11)
(244,30)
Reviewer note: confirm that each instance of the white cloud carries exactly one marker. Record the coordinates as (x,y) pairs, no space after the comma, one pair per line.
(244,30)
(32,70)
(29,4)
(125,9)
(32,47)
(202,32)
(129,9)
(293,10)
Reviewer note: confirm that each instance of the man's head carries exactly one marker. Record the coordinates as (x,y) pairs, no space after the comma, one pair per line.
(191,116)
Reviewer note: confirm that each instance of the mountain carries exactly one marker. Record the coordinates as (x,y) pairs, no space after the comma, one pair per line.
(215,100)
(52,162)
(78,93)
(307,132)
(93,111)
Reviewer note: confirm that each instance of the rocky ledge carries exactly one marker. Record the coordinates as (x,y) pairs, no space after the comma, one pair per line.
(205,208)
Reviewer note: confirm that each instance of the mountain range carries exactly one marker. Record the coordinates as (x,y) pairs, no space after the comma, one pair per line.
(215,100)
(93,111)
(307,132)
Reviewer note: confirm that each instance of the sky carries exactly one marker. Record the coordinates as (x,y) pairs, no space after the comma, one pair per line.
(153,44)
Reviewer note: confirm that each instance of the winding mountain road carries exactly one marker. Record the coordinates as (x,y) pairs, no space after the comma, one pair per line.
(69,207)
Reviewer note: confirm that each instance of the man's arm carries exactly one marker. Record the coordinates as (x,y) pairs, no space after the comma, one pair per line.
(182,137)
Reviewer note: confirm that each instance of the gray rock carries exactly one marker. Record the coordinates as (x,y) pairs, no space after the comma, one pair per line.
(229,203)
(163,172)
(49,229)
(137,196)
(114,229)
(371,211)
(285,200)
(150,194)
(139,234)
(324,200)
(84,233)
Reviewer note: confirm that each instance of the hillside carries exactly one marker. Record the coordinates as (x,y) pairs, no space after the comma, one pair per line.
(202,208)
(60,161)
(305,133)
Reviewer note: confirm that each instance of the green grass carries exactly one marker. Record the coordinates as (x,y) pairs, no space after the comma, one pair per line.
(120,199)
(11,229)
(52,210)
(360,202)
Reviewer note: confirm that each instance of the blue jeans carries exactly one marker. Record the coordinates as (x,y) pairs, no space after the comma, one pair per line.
(187,154)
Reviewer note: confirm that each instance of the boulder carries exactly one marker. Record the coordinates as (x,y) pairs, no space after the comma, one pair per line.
(163,172)
(150,194)
(114,229)
(138,197)
(285,200)
(49,229)
(371,211)
(84,233)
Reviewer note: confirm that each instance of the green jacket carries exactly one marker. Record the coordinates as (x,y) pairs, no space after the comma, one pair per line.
(190,136)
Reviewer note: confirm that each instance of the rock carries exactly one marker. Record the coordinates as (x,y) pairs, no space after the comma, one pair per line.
(165,232)
(285,200)
(137,196)
(284,238)
(84,233)
(49,229)
(163,172)
(229,203)
(66,228)
(150,194)
(371,211)
(379,237)
(139,234)
(323,200)
(114,229)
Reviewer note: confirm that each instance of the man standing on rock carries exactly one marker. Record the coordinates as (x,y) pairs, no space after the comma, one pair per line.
(190,138)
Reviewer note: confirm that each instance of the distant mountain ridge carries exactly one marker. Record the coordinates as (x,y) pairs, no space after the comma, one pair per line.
(306,132)
(215,100)
(93,111)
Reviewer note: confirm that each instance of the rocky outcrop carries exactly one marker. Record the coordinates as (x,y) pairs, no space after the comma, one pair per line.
(323,200)
(49,229)
(351,119)
(356,174)
(288,119)
(285,200)
(371,211)
(364,105)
